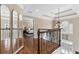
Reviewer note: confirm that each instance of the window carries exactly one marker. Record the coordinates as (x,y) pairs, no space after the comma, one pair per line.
(67,27)
(15,31)
(10,30)
(5,29)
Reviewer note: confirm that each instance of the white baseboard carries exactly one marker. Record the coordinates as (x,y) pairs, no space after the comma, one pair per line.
(18,49)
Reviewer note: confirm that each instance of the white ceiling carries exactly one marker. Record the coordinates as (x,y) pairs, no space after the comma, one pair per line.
(45,10)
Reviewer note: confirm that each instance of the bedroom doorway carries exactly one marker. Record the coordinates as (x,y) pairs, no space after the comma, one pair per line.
(28,33)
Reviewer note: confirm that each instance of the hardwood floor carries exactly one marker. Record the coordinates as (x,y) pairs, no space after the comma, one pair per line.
(6,48)
(31,46)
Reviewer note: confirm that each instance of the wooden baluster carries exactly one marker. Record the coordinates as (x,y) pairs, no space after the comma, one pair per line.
(59,36)
(41,43)
(38,51)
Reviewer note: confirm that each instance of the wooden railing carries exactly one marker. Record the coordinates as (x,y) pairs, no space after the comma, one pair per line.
(53,36)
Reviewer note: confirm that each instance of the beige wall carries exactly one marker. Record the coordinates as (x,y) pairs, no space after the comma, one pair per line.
(45,24)
(26,22)
(42,24)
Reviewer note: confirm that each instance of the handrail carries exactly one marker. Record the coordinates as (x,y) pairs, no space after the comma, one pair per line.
(41,31)
(9,28)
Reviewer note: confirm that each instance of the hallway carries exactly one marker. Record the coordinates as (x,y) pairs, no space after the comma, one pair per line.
(39,28)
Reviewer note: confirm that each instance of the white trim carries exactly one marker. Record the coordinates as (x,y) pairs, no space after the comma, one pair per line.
(18,49)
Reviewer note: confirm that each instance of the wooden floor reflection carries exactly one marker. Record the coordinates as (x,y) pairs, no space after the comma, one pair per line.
(6,48)
(31,46)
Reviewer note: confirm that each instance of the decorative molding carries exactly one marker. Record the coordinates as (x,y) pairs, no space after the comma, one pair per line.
(67,15)
(64,11)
